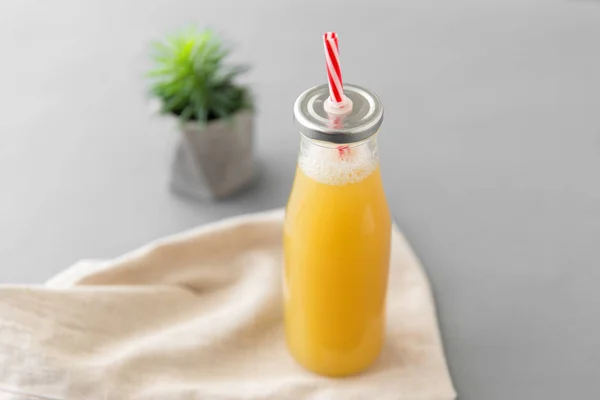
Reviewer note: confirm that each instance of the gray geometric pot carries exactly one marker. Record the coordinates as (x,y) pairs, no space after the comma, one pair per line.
(215,161)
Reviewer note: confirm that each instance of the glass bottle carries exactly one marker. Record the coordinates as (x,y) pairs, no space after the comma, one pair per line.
(336,237)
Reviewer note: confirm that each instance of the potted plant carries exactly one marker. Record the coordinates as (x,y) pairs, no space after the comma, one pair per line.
(194,85)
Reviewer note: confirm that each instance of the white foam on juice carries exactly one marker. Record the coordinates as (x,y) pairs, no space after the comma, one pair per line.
(331,167)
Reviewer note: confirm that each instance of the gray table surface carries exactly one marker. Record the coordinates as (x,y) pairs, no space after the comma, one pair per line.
(490,154)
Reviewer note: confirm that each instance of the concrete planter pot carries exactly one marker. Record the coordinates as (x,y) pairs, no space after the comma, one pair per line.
(215,161)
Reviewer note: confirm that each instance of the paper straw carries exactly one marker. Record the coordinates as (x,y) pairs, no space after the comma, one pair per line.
(334,72)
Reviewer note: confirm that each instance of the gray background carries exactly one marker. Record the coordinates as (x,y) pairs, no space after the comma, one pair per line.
(490,154)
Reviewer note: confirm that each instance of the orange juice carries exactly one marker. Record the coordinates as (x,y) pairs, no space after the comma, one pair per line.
(337,245)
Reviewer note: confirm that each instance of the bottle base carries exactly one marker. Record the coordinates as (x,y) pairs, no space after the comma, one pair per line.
(337,367)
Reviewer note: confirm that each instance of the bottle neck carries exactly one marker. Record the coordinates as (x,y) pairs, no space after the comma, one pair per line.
(338,164)
(334,152)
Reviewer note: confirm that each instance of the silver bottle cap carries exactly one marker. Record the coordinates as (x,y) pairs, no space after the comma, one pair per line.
(314,122)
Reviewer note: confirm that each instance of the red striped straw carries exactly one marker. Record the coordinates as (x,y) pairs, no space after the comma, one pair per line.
(334,73)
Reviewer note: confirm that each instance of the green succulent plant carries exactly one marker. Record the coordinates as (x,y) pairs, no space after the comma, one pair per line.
(191,80)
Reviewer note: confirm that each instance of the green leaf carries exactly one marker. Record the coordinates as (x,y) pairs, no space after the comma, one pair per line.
(191,79)
(186,114)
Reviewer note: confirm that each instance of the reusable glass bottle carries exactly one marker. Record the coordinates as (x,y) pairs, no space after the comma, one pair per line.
(336,236)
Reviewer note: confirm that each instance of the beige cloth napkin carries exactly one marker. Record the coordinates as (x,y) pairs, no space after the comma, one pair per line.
(199,316)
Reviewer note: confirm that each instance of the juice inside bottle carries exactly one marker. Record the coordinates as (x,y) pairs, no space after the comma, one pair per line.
(337,245)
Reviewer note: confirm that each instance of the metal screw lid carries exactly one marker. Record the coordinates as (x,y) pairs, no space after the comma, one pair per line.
(362,121)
